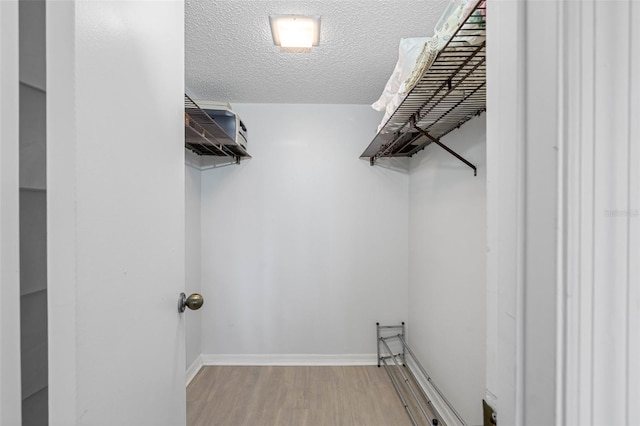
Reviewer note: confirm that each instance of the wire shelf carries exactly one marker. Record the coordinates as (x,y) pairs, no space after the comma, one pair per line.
(450,93)
(204,136)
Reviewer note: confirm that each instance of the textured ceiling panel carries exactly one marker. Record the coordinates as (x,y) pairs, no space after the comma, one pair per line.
(230,55)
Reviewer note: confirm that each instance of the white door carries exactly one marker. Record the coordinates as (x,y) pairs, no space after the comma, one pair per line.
(115,176)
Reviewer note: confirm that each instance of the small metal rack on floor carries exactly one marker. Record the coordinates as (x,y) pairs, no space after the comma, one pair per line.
(392,354)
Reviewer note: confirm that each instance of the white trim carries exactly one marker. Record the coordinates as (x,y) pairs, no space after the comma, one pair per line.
(506,208)
(290,359)
(524,190)
(194,369)
(600,380)
(10,387)
(633,319)
(440,406)
(575,236)
(61,212)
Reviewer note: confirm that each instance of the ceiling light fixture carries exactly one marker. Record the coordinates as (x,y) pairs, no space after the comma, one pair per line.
(294,31)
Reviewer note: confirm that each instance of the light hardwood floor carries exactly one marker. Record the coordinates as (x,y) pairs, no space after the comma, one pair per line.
(296,396)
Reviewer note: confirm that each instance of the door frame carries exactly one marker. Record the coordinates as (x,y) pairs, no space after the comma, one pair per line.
(61,223)
(10,385)
(563,218)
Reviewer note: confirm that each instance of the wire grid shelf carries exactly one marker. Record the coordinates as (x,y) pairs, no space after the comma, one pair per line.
(450,93)
(204,136)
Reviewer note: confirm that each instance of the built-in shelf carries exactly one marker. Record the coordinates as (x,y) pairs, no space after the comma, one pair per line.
(204,136)
(450,93)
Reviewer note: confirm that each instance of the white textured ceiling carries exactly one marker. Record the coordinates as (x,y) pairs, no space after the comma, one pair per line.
(230,55)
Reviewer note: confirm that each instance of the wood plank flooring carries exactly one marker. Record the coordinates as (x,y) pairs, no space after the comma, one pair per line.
(296,396)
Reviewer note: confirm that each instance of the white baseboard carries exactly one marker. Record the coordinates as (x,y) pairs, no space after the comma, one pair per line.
(193,369)
(447,415)
(289,359)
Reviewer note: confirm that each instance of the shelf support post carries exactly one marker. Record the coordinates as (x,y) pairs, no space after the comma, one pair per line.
(446,148)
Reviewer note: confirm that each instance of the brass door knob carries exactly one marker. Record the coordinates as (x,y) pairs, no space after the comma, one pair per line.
(193,302)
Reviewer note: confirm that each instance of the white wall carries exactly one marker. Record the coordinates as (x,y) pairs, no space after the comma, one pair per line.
(193,319)
(304,245)
(447,272)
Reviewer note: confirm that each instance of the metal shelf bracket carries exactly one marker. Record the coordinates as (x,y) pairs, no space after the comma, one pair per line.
(446,148)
